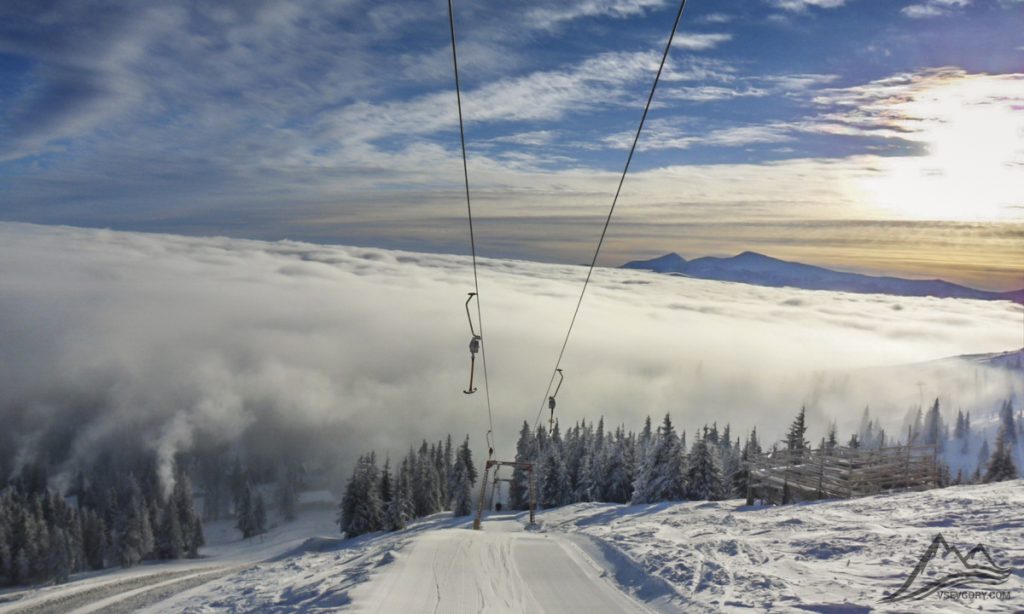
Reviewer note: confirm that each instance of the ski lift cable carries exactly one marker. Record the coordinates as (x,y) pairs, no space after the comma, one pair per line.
(472,238)
(611,211)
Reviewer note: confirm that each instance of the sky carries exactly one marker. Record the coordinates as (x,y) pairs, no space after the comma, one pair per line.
(319,353)
(868,135)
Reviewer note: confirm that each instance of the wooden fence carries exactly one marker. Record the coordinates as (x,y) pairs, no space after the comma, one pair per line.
(841,473)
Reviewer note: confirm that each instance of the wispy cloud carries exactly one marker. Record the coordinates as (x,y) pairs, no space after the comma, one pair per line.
(700,42)
(715,18)
(547,16)
(803,5)
(933,8)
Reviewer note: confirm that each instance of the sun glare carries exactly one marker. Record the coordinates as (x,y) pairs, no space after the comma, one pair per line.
(972,130)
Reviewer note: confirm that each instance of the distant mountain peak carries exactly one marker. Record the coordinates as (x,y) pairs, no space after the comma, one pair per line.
(754,268)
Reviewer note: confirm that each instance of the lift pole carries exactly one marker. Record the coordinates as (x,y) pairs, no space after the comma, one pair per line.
(528,467)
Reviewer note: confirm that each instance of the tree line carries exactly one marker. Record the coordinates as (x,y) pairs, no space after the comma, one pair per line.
(589,463)
(113,519)
(437,477)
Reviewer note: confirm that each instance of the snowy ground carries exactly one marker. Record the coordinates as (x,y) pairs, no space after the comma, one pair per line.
(839,556)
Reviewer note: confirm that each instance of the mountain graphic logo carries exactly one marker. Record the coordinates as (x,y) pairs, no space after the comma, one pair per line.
(976,568)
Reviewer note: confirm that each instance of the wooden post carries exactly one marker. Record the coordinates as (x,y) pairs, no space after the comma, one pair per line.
(494,489)
(483,491)
(821,473)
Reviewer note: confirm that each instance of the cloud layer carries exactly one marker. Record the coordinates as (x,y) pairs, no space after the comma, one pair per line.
(331,350)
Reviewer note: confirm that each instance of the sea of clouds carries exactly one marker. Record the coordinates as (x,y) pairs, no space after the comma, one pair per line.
(295,346)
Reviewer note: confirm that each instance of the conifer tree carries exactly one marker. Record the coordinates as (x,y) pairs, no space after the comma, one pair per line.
(619,469)
(983,455)
(830,440)
(169,541)
(795,440)
(361,508)
(519,488)
(259,514)
(704,474)
(1008,423)
(245,513)
(661,474)
(462,488)
(1000,466)
(554,478)
(933,429)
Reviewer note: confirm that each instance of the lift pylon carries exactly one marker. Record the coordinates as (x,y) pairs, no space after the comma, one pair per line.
(527,466)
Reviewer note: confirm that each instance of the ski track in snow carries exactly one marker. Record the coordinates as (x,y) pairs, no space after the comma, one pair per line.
(830,556)
(501,569)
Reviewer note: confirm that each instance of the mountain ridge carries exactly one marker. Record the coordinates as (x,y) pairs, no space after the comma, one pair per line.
(759,269)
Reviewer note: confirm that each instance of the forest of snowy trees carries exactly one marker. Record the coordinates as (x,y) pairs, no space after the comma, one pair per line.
(119,512)
(120,516)
(435,478)
(588,463)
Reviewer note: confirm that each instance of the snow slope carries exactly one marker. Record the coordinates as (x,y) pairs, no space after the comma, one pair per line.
(127,590)
(831,556)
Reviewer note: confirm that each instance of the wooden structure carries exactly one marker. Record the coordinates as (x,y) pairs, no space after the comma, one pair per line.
(782,476)
(531,480)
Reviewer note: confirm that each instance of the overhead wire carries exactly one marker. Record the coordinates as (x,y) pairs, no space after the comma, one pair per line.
(472,237)
(611,211)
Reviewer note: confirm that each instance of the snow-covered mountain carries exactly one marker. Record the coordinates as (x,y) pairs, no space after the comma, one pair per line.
(761,270)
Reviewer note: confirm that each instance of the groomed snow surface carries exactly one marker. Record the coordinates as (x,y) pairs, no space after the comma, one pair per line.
(833,556)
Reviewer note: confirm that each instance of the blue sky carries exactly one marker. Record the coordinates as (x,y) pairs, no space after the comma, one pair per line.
(883,136)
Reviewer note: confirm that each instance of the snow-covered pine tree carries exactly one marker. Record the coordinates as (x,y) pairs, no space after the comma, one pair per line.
(386,488)
(462,488)
(191,526)
(1008,423)
(983,455)
(1000,466)
(447,466)
(732,469)
(426,486)
(598,458)
(169,543)
(128,530)
(704,473)
(644,441)
(245,513)
(661,474)
(519,487)
(399,511)
(466,454)
(958,429)
(59,557)
(92,539)
(554,478)
(618,469)
(933,428)
(259,514)
(361,510)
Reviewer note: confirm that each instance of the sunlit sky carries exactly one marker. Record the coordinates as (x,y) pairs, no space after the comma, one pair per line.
(878,136)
